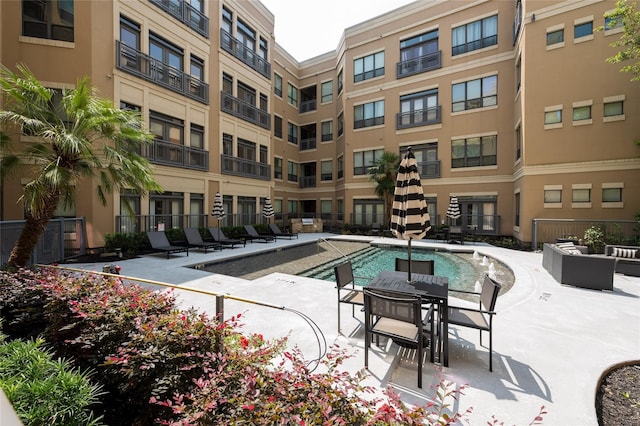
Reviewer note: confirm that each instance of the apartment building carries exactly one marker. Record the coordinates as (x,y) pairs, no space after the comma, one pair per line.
(509,105)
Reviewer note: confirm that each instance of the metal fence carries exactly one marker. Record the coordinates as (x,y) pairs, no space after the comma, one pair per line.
(615,231)
(63,238)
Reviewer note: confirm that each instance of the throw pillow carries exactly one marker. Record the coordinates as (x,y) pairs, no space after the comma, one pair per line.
(565,246)
(624,253)
(573,251)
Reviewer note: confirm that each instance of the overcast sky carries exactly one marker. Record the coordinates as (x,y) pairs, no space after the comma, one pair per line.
(308,28)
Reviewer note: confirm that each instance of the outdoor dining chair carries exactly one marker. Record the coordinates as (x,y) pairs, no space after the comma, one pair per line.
(396,316)
(418,266)
(347,291)
(481,318)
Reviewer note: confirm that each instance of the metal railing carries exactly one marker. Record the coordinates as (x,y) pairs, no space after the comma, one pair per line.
(429,169)
(307,182)
(185,13)
(615,231)
(244,110)
(133,61)
(142,223)
(307,143)
(235,47)
(62,238)
(231,165)
(308,105)
(418,65)
(171,154)
(420,117)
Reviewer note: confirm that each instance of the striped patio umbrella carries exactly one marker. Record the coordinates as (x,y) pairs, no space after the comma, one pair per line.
(453,211)
(409,218)
(267,209)
(218,208)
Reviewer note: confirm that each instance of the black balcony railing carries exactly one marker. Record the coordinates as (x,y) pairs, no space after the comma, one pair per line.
(307,143)
(429,169)
(418,65)
(308,105)
(141,65)
(243,167)
(307,181)
(245,111)
(419,117)
(235,47)
(171,154)
(144,223)
(185,13)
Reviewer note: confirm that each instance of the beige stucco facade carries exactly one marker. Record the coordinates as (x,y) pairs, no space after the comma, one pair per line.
(245,119)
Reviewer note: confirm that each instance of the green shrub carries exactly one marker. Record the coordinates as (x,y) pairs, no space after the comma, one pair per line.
(45,391)
(129,243)
(594,239)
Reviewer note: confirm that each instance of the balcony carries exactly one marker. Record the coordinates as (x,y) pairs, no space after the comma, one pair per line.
(133,61)
(418,65)
(171,154)
(235,47)
(307,182)
(242,167)
(185,13)
(307,144)
(308,105)
(429,169)
(245,111)
(419,117)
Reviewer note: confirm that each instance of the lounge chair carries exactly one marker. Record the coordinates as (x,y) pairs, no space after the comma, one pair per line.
(195,240)
(160,242)
(278,233)
(252,234)
(219,237)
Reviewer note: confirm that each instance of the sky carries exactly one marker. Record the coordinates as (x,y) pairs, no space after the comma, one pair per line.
(308,28)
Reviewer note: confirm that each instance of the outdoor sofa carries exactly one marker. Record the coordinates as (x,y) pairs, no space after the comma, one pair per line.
(627,258)
(569,264)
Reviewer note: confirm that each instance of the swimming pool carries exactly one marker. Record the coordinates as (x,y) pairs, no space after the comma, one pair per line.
(462,269)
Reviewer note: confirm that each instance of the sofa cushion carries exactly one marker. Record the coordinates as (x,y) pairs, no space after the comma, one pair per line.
(624,253)
(568,247)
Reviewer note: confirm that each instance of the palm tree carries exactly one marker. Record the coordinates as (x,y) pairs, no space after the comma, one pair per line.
(383,173)
(80,137)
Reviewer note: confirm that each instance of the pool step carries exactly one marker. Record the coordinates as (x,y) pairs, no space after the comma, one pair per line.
(327,267)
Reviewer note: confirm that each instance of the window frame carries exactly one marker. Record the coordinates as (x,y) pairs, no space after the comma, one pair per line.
(485,100)
(361,163)
(469,145)
(370,67)
(478,43)
(368,114)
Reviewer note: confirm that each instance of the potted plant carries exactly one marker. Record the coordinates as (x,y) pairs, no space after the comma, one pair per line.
(594,239)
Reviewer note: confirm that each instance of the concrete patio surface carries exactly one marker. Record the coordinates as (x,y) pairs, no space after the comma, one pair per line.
(551,342)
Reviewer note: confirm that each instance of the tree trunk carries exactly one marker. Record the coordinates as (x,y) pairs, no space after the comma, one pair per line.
(30,234)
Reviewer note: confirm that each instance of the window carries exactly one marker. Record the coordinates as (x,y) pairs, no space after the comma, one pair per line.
(277,168)
(246,149)
(581,195)
(340,82)
(367,212)
(327,131)
(292,95)
(264,48)
(419,53)
(227,20)
(129,208)
(326,170)
(292,171)
(340,124)
(246,36)
(292,207)
(166,128)
(612,109)
(166,209)
(363,160)
(197,216)
(246,93)
(582,113)
(264,154)
(246,210)
(292,133)
(340,209)
(611,195)
(475,35)
(168,62)
(326,210)
(368,67)
(277,85)
(612,22)
(583,30)
(264,102)
(479,93)
(227,84)
(196,136)
(553,117)
(50,19)
(518,142)
(369,114)
(129,34)
(227,144)
(555,37)
(277,126)
(552,196)
(518,73)
(327,91)
(340,167)
(516,202)
(196,69)
(474,152)
(419,109)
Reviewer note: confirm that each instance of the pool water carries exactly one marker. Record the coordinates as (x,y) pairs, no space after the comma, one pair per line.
(460,268)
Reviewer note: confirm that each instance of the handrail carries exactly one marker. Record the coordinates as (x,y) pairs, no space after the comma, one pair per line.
(332,246)
(322,341)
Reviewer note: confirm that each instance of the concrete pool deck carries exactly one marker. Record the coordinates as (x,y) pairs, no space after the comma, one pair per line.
(551,342)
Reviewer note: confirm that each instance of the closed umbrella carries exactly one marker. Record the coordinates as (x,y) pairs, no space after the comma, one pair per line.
(410,218)
(267,209)
(453,211)
(218,208)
